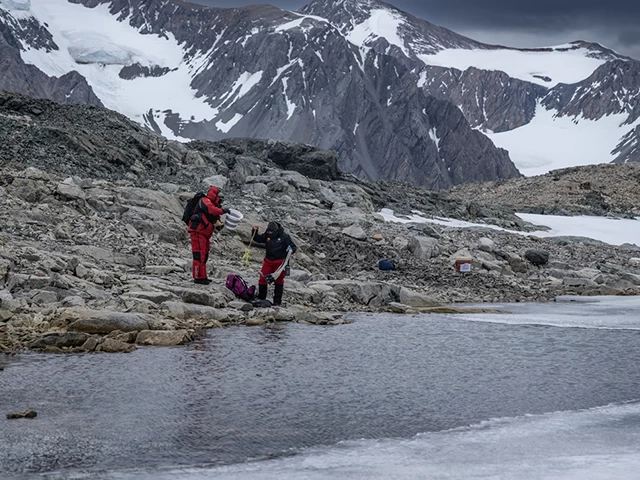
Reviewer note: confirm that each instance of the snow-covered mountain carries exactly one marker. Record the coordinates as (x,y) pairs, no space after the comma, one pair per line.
(396,96)
(203,73)
(551,107)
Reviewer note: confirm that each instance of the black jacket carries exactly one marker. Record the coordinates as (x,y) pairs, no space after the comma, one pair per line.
(276,244)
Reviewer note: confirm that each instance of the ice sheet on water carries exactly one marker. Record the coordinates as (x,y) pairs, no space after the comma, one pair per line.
(600,443)
(610,313)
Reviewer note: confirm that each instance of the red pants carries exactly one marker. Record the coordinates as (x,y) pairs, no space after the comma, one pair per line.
(268,267)
(200,244)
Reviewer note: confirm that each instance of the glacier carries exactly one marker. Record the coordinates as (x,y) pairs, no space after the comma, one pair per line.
(560,64)
(100,53)
(88,47)
(16,4)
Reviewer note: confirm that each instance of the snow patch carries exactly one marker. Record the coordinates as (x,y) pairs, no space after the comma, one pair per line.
(228,125)
(291,107)
(571,66)
(381,23)
(609,230)
(433,135)
(159,118)
(244,83)
(290,25)
(422,80)
(549,142)
(298,22)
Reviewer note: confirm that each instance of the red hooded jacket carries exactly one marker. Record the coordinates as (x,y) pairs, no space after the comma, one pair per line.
(206,213)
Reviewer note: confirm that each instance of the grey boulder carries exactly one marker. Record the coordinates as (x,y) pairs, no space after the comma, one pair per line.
(537,257)
(106,322)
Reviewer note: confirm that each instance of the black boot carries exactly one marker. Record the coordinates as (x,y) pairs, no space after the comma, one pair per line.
(262,292)
(202,281)
(277,294)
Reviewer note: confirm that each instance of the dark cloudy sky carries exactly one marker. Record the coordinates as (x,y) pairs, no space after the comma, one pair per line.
(519,23)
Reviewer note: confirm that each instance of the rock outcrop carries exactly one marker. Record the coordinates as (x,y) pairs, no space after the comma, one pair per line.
(587,190)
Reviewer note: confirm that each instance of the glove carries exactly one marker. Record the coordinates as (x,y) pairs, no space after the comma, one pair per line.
(226,210)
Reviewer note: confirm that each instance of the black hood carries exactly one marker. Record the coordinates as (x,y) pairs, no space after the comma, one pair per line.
(274,228)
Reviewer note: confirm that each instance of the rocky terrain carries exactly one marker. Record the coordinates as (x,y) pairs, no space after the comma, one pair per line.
(94,257)
(587,190)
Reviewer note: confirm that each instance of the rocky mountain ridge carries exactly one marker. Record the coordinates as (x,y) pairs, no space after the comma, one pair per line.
(94,257)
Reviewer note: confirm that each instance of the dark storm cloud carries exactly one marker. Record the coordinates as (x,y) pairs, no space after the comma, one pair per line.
(520,23)
(613,22)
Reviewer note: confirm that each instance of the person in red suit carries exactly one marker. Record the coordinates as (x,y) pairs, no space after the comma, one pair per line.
(277,243)
(201,228)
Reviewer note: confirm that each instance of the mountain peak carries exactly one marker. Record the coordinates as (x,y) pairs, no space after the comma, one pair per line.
(365,22)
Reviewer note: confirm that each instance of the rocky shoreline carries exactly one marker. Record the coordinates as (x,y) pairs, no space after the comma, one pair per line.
(100,262)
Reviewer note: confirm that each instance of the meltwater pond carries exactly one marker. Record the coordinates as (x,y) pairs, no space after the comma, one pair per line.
(548,391)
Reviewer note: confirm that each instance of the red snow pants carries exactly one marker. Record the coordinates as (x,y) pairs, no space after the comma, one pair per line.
(268,267)
(200,244)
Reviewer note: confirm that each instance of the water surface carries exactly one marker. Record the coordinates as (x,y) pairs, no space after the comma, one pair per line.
(242,394)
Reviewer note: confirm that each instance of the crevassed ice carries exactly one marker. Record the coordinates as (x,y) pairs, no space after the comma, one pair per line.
(16,4)
(94,43)
(94,48)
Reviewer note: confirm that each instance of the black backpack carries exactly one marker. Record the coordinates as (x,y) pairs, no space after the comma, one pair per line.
(191,206)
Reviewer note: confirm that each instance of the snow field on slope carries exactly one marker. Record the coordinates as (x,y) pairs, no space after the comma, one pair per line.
(609,230)
(228,125)
(548,143)
(568,67)
(16,4)
(297,23)
(95,36)
(381,23)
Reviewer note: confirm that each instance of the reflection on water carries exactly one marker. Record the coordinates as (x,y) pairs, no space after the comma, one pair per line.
(243,393)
